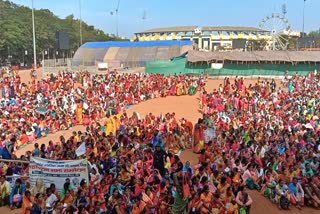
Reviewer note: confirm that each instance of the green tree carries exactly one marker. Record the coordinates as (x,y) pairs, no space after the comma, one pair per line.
(316,36)
(16,30)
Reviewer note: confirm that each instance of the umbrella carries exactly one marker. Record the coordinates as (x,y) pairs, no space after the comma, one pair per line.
(41,110)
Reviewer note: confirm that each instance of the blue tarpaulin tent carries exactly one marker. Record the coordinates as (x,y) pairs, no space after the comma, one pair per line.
(129,54)
(136,44)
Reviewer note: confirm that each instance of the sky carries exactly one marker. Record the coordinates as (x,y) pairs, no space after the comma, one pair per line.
(170,13)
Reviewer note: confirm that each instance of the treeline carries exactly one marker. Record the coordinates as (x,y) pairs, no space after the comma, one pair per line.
(316,36)
(16,32)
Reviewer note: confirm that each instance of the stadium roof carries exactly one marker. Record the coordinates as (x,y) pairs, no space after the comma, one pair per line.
(229,28)
(255,56)
(136,44)
(207,28)
(171,29)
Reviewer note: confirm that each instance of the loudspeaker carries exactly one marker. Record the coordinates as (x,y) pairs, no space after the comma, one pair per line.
(239,44)
(62,40)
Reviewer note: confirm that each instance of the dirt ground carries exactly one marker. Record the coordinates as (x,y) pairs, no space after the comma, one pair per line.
(184,106)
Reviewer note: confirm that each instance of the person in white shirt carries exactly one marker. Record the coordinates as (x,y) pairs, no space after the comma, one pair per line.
(51,200)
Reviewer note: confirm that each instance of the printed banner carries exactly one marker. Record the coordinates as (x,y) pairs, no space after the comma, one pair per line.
(57,172)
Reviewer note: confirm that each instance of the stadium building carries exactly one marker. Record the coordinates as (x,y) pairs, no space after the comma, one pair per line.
(206,38)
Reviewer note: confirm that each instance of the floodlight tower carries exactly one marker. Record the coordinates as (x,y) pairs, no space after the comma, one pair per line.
(144,18)
(304,6)
(116,12)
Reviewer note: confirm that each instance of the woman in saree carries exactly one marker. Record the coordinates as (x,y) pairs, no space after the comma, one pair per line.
(223,187)
(86,119)
(139,187)
(109,125)
(184,88)
(249,177)
(179,89)
(167,180)
(206,198)
(269,184)
(198,136)
(124,174)
(192,89)
(310,193)
(27,202)
(195,204)
(139,206)
(173,89)
(297,193)
(150,199)
(230,202)
(113,201)
(68,198)
(115,126)
(166,203)
(244,200)
(290,87)
(180,201)
(127,199)
(282,191)
(79,114)
(174,145)
(98,197)
(163,191)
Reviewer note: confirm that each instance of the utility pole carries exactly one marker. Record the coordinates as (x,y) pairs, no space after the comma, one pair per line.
(43,65)
(80,23)
(34,39)
(304,5)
